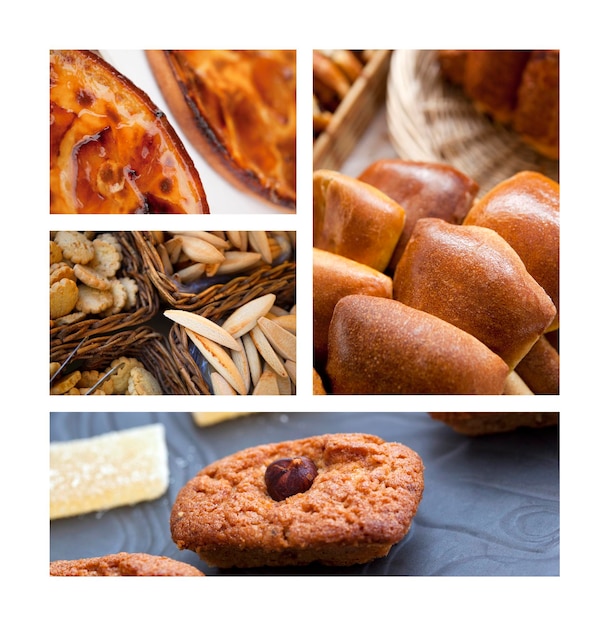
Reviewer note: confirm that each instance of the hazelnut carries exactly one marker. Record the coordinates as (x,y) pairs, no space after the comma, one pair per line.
(286,477)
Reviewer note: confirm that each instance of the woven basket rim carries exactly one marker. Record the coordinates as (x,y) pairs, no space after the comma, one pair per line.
(146,308)
(431,120)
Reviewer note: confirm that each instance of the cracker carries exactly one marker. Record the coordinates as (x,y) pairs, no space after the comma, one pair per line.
(120,378)
(60,270)
(107,259)
(75,246)
(64,297)
(92,300)
(55,253)
(64,384)
(70,318)
(119,297)
(91,277)
(106,471)
(132,290)
(143,383)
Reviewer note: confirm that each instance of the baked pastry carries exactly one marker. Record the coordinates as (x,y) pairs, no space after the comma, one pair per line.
(381,346)
(471,277)
(123,564)
(540,368)
(423,190)
(238,108)
(519,88)
(480,423)
(524,210)
(334,499)
(112,149)
(355,219)
(318,384)
(335,276)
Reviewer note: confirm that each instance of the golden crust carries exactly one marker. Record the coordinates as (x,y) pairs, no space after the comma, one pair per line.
(238,108)
(112,150)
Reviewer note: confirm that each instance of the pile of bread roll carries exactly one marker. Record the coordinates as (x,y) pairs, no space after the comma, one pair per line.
(420,287)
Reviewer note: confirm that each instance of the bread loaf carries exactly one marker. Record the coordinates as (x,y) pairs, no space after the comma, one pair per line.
(423,190)
(524,210)
(471,277)
(480,423)
(335,276)
(381,346)
(355,219)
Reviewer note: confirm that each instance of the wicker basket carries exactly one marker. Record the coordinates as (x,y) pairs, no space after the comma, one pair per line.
(143,343)
(353,115)
(217,300)
(431,120)
(146,308)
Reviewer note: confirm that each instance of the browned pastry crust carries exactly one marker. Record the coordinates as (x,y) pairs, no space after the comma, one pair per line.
(238,108)
(423,190)
(355,219)
(524,210)
(111,149)
(362,502)
(475,424)
(123,564)
(471,277)
(381,346)
(335,276)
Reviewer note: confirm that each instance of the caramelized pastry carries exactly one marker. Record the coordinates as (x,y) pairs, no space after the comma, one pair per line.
(238,108)
(112,150)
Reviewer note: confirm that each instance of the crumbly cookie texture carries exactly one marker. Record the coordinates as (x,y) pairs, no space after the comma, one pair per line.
(123,564)
(361,502)
(109,470)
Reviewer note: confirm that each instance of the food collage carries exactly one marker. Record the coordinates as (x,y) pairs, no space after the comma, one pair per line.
(423,247)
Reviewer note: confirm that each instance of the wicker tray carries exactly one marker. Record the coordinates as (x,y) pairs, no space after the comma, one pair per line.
(353,115)
(431,120)
(146,308)
(143,343)
(217,300)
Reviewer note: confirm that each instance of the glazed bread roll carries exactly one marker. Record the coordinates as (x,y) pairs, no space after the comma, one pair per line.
(355,219)
(423,190)
(381,346)
(471,277)
(524,210)
(540,368)
(335,276)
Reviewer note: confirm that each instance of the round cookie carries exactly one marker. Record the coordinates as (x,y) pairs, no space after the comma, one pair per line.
(123,564)
(360,503)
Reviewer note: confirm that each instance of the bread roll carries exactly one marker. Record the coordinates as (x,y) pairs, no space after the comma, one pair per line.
(537,115)
(471,277)
(354,219)
(540,368)
(524,210)
(335,276)
(475,424)
(423,190)
(381,346)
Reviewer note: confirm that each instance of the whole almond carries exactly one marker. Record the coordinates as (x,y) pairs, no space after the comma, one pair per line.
(266,351)
(219,359)
(202,326)
(282,340)
(259,241)
(243,319)
(253,358)
(200,250)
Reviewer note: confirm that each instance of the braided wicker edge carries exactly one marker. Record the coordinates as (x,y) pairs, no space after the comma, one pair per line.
(191,376)
(146,308)
(215,301)
(429,119)
(143,343)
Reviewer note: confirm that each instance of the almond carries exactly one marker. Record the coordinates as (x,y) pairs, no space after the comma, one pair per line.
(266,351)
(200,250)
(243,319)
(202,326)
(219,359)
